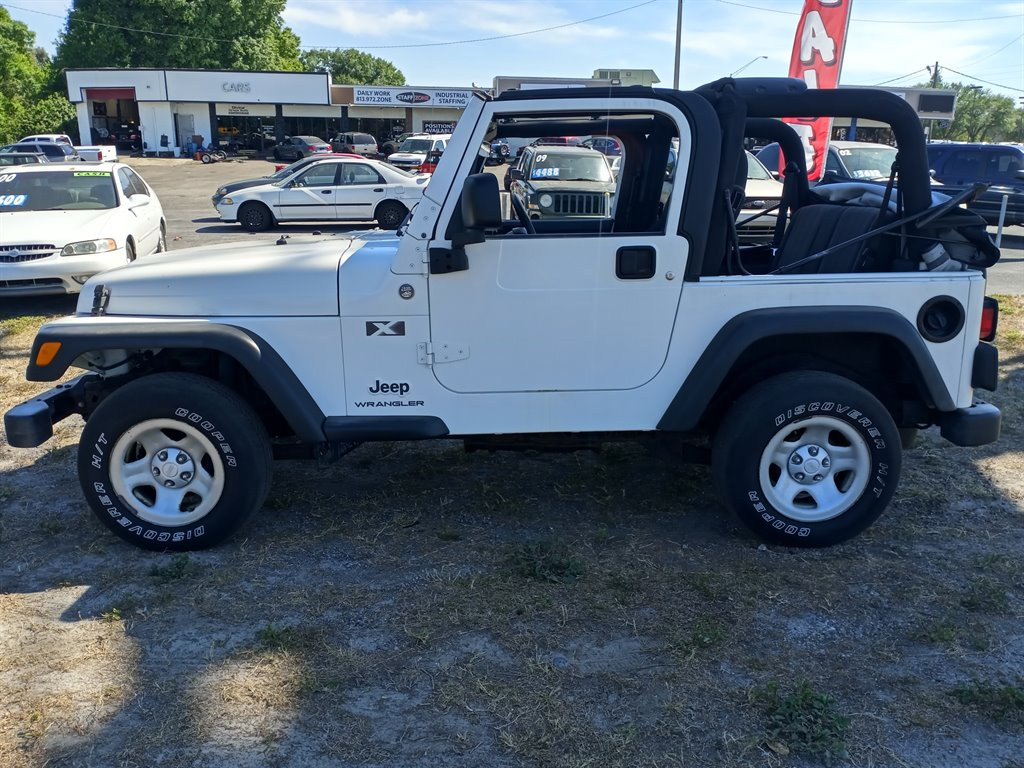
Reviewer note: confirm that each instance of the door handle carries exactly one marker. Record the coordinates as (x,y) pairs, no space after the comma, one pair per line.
(635,262)
(327,192)
(379,189)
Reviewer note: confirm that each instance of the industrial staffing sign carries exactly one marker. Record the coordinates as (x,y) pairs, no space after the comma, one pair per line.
(817,60)
(412,97)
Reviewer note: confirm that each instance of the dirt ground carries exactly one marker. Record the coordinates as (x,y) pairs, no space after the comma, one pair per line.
(415,606)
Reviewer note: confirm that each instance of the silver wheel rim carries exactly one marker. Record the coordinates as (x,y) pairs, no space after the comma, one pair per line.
(168,472)
(816,469)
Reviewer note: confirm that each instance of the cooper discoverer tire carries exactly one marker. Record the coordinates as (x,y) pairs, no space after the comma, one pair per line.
(807,459)
(174,461)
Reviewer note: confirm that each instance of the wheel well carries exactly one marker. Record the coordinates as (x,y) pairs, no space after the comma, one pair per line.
(880,364)
(260,203)
(220,367)
(389,201)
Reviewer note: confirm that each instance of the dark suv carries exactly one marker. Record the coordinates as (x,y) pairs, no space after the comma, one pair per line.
(1001,166)
(559,182)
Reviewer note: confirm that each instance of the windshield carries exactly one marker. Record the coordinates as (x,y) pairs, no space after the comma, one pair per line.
(755,170)
(557,167)
(59,191)
(416,145)
(868,162)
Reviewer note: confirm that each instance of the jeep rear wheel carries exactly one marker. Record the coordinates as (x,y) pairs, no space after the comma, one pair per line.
(174,461)
(807,459)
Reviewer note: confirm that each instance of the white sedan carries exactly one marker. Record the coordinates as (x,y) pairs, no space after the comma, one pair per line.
(62,224)
(334,189)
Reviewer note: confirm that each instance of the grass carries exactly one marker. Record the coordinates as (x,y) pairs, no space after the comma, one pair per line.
(986,595)
(177,567)
(802,721)
(15,326)
(287,639)
(1000,702)
(545,560)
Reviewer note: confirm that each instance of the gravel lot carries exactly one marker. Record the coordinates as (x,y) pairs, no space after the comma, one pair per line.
(415,606)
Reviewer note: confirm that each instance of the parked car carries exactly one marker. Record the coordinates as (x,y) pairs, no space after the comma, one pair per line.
(53,138)
(429,164)
(557,141)
(763,191)
(329,190)
(1001,166)
(416,147)
(354,143)
(845,160)
(391,145)
(298,147)
(281,171)
(562,182)
(606,145)
(55,152)
(63,225)
(22,158)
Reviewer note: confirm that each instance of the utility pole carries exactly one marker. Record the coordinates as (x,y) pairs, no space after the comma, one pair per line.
(679,44)
(935,76)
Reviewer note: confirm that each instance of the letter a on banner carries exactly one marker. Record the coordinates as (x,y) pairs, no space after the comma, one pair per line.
(817,60)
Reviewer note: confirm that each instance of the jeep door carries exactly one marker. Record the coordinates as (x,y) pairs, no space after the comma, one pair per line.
(310,196)
(574,307)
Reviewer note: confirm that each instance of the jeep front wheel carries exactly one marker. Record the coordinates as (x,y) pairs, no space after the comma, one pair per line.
(807,459)
(174,461)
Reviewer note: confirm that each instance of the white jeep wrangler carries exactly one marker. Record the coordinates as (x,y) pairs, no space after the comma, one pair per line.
(795,366)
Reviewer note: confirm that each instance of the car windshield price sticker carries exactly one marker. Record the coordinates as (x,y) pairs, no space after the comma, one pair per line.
(12,200)
(546,173)
(7,177)
(92,173)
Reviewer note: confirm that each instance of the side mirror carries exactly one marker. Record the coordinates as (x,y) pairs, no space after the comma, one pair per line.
(515,174)
(137,201)
(480,206)
(1019,174)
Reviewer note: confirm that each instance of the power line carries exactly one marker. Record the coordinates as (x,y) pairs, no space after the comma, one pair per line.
(901,77)
(77,20)
(987,82)
(986,58)
(873,21)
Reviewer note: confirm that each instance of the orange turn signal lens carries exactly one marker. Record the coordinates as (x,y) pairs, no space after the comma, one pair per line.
(47,351)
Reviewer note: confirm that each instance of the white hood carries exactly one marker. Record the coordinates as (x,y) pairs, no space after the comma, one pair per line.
(56,227)
(234,280)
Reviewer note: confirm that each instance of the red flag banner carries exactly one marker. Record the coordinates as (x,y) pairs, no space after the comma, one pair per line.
(817,60)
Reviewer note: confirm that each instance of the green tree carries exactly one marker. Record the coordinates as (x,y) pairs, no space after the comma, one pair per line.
(187,34)
(351,66)
(28,103)
(980,115)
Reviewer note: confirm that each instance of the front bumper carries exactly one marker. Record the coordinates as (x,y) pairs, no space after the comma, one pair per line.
(56,275)
(31,423)
(977,425)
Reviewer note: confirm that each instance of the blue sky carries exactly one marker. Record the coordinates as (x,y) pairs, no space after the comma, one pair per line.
(888,40)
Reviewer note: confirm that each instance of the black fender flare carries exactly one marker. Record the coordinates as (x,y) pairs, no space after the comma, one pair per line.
(736,336)
(252,352)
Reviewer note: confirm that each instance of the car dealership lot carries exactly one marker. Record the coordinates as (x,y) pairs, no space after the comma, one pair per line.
(413,605)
